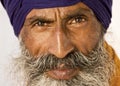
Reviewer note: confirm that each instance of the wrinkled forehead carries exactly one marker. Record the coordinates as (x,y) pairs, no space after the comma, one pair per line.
(62,11)
(19,9)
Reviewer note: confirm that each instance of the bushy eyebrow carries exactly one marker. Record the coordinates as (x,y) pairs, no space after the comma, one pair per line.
(79,11)
(32,19)
(67,16)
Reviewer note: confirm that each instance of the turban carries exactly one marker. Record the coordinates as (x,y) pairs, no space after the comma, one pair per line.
(18,9)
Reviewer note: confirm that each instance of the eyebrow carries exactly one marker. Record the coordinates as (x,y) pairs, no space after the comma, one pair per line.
(79,11)
(68,15)
(32,19)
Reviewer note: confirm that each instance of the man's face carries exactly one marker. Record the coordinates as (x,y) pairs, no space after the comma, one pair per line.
(54,36)
(58,31)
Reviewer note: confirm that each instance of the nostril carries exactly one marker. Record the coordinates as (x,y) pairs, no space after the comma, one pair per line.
(61,44)
(62,53)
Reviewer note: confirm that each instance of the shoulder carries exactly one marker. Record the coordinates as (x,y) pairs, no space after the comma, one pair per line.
(115,79)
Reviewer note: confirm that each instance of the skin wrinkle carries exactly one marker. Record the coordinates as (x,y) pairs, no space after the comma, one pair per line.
(94,71)
(68,15)
(68,38)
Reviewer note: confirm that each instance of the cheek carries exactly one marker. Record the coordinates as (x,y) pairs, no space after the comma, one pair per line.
(35,43)
(86,40)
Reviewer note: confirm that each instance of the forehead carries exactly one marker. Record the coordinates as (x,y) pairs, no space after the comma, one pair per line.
(51,12)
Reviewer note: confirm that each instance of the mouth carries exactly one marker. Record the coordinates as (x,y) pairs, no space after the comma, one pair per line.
(62,74)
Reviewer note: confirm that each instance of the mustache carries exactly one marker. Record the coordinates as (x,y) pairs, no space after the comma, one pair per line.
(44,63)
(95,68)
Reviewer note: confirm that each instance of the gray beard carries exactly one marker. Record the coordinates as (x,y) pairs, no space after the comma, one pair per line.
(95,68)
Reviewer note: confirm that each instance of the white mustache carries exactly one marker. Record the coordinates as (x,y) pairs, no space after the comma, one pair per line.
(50,62)
(93,71)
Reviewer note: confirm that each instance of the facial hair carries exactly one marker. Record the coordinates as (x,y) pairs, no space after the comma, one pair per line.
(95,69)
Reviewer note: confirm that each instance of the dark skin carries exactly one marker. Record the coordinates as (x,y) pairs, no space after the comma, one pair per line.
(59,31)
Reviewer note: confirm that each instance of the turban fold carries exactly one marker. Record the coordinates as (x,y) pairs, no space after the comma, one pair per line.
(18,9)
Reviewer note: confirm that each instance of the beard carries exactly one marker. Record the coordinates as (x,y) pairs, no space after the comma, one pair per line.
(95,69)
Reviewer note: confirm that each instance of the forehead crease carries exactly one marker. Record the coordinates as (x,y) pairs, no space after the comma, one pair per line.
(51,13)
(79,8)
(42,12)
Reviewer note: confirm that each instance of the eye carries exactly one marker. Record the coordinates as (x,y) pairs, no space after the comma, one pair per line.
(40,23)
(78,20)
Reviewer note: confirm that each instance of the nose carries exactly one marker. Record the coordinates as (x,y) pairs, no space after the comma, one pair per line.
(61,44)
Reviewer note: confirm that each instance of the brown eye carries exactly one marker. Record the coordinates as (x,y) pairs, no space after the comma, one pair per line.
(40,23)
(77,22)
(78,19)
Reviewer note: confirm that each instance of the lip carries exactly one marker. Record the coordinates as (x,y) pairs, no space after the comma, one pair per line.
(62,74)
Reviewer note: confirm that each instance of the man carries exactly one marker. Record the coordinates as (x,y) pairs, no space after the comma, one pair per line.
(62,43)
